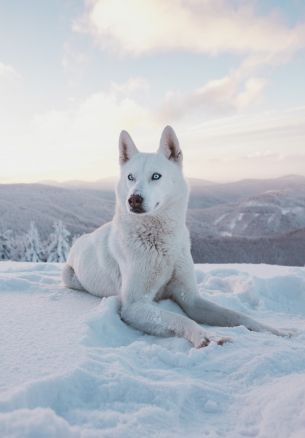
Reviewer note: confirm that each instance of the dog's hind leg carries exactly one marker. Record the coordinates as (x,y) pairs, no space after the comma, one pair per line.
(69,278)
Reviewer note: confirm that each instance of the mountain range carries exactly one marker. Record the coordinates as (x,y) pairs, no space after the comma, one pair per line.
(233,214)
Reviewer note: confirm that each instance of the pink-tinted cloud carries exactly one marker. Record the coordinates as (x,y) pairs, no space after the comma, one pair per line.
(210,26)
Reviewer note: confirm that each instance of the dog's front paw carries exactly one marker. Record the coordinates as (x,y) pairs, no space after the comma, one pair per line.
(221,340)
(201,341)
(204,339)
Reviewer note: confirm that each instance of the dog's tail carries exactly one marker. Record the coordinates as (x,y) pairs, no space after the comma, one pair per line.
(69,278)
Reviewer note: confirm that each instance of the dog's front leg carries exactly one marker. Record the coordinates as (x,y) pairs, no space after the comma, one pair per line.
(183,290)
(150,318)
(205,312)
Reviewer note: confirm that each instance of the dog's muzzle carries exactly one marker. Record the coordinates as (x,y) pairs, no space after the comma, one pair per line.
(136,204)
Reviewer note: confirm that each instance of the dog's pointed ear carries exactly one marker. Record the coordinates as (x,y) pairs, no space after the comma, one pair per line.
(169,145)
(127,148)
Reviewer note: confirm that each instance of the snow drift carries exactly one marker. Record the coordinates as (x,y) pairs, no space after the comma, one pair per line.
(71,368)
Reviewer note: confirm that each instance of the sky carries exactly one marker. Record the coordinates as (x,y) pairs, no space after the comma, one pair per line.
(228,75)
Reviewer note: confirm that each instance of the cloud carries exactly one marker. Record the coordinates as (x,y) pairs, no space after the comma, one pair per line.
(268,144)
(79,141)
(231,93)
(10,91)
(131,86)
(74,62)
(91,128)
(253,88)
(8,74)
(278,128)
(82,143)
(211,26)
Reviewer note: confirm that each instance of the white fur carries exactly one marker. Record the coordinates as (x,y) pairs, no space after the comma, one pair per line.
(145,257)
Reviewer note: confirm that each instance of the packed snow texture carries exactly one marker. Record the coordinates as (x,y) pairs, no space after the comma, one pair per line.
(71,368)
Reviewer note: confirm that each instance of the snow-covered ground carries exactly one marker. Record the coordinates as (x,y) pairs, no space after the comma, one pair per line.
(69,367)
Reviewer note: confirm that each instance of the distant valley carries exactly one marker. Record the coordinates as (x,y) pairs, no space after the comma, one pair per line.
(243,221)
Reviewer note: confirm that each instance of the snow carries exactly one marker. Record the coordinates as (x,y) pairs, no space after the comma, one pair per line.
(293,210)
(225,234)
(71,368)
(218,220)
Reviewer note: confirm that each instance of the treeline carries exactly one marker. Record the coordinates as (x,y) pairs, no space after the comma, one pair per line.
(29,247)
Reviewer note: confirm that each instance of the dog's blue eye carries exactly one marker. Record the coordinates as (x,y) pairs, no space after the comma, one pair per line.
(130,177)
(156,176)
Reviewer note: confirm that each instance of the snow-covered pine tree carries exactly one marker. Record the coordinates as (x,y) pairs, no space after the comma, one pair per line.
(18,247)
(6,245)
(59,245)
(33,249)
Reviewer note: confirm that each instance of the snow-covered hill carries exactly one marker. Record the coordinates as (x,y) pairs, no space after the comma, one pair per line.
(81,210)
(254,208)
(270,213)
(69,367)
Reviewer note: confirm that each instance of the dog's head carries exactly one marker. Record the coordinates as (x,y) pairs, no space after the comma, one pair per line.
(150,181)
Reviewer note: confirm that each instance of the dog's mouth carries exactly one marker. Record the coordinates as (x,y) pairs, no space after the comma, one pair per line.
(141,210)
(137,210)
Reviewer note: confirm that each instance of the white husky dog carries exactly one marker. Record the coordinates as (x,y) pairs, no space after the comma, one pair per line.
(144,256)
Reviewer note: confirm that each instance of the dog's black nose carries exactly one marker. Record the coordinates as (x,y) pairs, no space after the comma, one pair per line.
(135,202)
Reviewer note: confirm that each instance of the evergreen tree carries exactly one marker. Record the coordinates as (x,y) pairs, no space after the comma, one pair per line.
(6,245)
(33,249)
(18,246)
(59,245)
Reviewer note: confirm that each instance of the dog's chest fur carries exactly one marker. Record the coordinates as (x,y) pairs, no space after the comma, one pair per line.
(152,235)
(148,243)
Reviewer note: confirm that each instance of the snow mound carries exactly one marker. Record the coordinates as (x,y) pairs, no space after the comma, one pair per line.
(71,368)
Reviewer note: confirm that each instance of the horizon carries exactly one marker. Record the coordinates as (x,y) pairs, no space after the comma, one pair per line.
(227,75)
(114,178)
